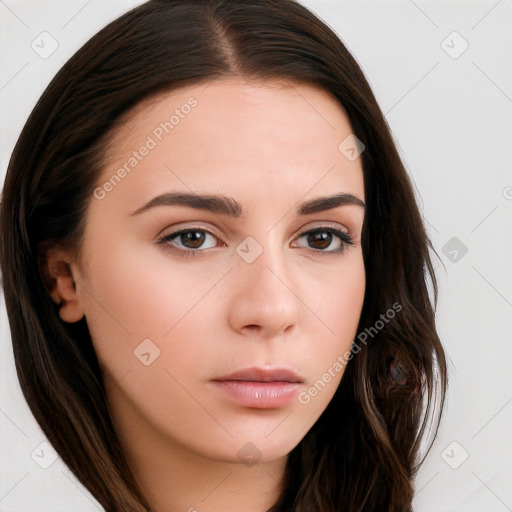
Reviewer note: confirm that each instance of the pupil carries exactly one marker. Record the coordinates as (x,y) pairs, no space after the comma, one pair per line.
(320,240)
(193,239)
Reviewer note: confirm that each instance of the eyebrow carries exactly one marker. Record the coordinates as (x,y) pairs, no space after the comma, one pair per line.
(228,206)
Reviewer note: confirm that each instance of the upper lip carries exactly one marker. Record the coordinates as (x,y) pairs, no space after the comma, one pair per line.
(255,374)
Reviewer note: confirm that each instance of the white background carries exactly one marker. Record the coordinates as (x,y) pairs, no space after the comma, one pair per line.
(452,121)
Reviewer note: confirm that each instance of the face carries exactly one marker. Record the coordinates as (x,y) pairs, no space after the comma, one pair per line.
(219,310)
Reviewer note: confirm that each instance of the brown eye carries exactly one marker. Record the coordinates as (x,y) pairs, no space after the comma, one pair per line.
(320,240)
(325,240)
(190,239)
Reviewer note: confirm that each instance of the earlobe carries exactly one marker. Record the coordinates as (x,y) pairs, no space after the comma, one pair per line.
(63,286)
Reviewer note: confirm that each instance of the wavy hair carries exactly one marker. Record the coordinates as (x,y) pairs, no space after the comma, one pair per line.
(363,452)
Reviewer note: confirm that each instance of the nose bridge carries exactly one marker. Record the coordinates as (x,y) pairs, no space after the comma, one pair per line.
(269,268)
(263,297)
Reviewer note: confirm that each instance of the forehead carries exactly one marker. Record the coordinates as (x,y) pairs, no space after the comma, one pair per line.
(232,133)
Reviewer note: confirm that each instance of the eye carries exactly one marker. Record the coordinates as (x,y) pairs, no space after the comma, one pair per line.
(190,239)
(325,240)
(193,240)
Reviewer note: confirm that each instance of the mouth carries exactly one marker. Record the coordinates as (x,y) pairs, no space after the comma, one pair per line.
(259,388)
(262,375)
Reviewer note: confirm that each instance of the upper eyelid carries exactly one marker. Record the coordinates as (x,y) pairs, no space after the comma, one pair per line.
(324,225)
(197,227)
(300,232)
(319,225)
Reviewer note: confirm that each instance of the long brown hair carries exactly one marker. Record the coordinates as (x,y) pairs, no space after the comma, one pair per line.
(362,453)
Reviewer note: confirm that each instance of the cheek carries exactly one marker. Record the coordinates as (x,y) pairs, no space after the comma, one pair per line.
(135,295)
(338,299)
(142,289)
(345,301)
(339,309)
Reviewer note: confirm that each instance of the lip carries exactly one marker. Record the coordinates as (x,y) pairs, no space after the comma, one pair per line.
(260,388)
(255,374)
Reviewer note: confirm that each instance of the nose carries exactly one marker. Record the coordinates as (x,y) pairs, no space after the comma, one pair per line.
(263,301)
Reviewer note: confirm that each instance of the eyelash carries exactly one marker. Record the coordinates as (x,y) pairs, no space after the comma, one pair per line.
(345,238)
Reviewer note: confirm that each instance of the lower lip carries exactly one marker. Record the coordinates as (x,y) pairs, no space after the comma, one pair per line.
(259,395)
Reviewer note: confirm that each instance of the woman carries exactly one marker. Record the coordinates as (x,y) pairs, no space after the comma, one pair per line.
(215,268)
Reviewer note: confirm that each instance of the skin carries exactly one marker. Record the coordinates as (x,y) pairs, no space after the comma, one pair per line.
(269,146)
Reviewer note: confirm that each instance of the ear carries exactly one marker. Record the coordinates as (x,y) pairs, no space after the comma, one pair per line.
(62,284)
